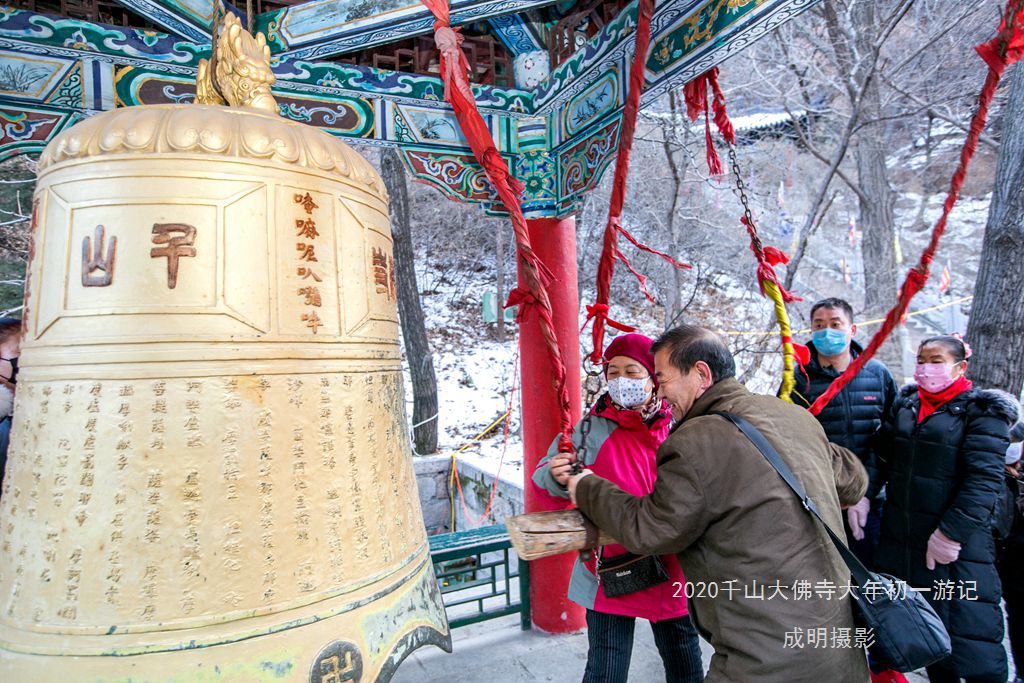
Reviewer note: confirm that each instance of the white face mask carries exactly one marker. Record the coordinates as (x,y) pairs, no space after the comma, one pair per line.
(1013,453)
(628,392)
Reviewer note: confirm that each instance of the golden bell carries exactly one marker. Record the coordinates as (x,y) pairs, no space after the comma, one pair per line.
(209,476)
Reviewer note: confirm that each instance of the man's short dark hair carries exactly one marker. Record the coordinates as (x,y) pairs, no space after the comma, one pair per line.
(833,302)
(688,344)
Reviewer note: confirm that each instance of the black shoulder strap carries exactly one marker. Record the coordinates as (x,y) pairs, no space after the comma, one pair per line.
(860,573)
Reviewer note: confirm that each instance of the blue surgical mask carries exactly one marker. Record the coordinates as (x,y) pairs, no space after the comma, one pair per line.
(830,342)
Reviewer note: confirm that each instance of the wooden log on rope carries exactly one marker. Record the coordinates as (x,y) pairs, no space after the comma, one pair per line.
(543,534)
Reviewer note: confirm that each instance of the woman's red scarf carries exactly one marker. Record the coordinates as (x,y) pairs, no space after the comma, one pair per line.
(930,402)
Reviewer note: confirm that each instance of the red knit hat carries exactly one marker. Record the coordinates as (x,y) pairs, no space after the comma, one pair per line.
(635,346)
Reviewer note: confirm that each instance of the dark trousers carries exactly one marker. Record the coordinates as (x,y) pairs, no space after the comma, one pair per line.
(611,648)
(940,675)
(1010,563)
(1015,621)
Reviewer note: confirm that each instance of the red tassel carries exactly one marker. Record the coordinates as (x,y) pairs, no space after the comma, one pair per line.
(802,354)
(601,311)
(722,121)
(695,94)
(992,51)
(714,164)
(775,256)
(523,298)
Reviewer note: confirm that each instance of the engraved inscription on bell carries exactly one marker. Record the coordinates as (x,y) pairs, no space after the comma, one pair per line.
(210,469)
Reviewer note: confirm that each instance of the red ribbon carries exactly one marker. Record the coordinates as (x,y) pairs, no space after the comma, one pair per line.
(610,252)
(535,276)
(695,94)
(601,311)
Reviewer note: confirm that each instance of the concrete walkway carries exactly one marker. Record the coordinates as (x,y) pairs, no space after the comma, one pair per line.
(498,651)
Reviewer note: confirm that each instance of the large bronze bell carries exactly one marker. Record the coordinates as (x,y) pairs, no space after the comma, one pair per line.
(209,476)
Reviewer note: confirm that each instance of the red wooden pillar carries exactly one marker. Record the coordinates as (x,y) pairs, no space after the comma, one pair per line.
(554,240)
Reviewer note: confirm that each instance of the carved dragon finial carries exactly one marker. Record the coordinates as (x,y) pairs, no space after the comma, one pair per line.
(238,72)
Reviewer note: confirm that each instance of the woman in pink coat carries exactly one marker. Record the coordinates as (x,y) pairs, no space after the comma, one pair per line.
(623,432)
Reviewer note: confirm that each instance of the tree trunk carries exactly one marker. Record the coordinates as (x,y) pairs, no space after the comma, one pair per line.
(997,314)
(414,330)
(673,300)
(877,218)
(877,199)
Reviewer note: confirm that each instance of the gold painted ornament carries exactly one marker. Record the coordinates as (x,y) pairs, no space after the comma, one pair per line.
(209,475)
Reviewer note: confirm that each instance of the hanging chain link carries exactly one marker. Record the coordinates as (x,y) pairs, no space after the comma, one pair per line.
(592,384)
(581,450)
(741,192)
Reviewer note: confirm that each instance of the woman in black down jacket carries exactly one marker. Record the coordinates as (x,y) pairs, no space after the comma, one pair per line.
(941,458)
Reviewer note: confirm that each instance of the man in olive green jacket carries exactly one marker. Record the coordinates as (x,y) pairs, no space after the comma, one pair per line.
(769,590)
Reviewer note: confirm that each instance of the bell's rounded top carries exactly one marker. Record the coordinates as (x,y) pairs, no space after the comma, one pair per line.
(222,131)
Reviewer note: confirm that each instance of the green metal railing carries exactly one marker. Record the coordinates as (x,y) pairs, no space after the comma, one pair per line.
(480,576)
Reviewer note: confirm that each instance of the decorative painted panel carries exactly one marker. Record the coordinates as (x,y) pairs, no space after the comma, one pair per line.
(69,93)
(696,31)
(329,78)
(439,128)
(324,28)
(31,77)
(518,35)
(432,126)
(457,176)
(730,34)
(26,130)
(187,18)
(537,171)
(581,163)
(595,101)
(349,117)
(39,34)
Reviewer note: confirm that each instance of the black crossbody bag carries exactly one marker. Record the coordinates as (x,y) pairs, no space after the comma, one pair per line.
(908,634)
(629,573)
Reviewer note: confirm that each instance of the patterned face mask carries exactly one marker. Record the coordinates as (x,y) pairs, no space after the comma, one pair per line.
(628,392)
(934,377)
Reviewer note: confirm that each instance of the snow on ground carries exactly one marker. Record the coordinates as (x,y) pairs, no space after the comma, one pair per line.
(475,373)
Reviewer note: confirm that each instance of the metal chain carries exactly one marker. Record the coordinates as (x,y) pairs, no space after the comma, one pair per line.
(592,382)
(741,192)
(581,450)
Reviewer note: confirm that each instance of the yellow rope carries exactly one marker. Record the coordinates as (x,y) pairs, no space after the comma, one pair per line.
(748,333)
(786,333)
(463,447)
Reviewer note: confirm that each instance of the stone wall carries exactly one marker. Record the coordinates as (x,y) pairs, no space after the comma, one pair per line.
(476,486)
(432,473)
(432,477)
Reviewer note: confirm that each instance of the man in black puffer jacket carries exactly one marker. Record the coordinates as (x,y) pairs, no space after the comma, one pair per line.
(852,418)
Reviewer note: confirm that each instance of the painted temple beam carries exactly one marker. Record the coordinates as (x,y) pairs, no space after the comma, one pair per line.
(190,19)
(325,28)
(560,137)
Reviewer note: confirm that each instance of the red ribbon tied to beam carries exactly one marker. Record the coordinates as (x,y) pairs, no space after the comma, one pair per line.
(533,292)
(610,252)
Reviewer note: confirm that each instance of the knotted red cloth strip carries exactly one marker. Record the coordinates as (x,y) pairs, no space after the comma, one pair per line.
(695,93)
(1002,51)
(767,259)
(536,276)
(610,251)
